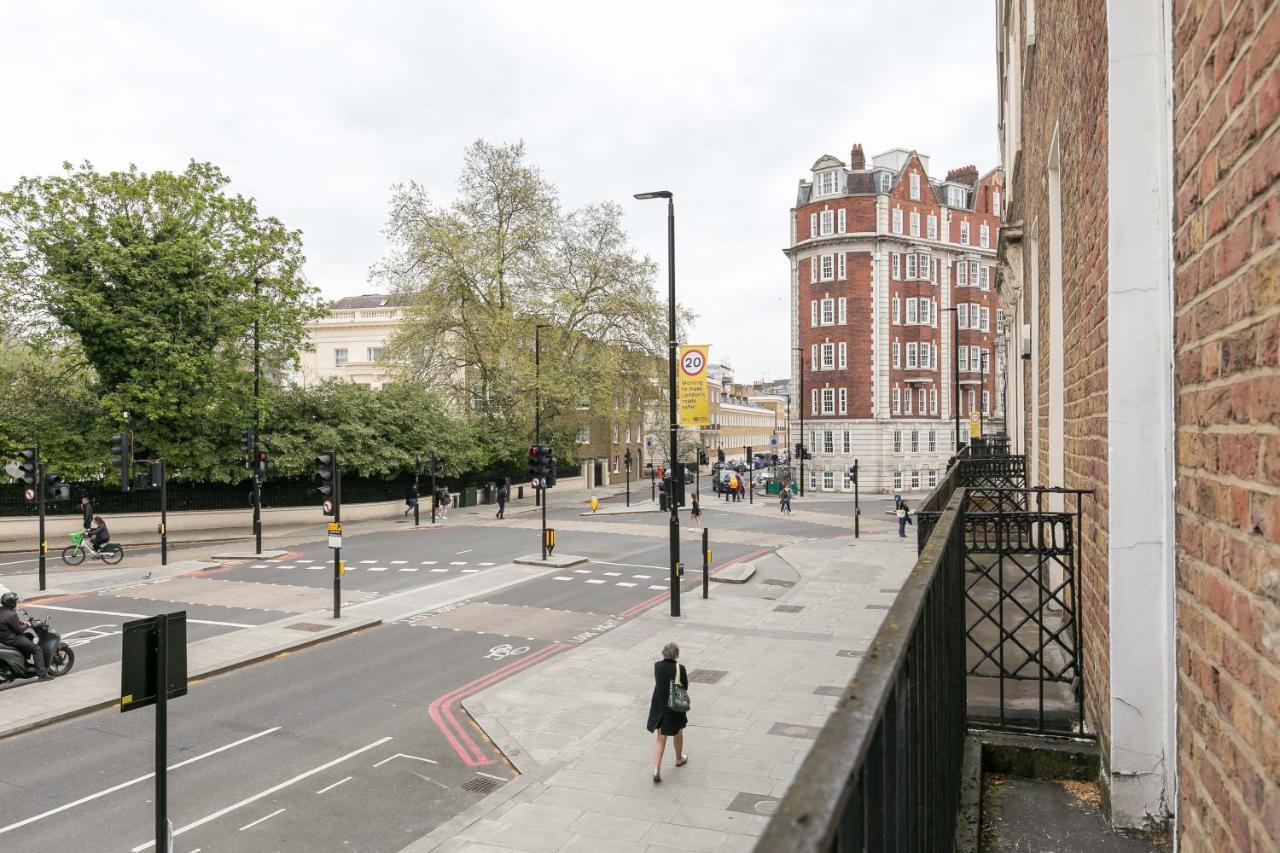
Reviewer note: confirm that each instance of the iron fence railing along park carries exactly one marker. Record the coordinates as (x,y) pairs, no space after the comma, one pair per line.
(885,771)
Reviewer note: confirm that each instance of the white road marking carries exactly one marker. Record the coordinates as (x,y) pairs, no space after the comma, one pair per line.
(368,561)
(318,568)
(491,776)
(428,562)
(405,755)
(410,569)
(259,566)
(469,571)
(583,571)
(260,820)
(629,565)
(124,785)
(657,586)
(641,577)
(334,785)
(135,615)
(613,574)
(624,583)
(458,563)
(487,564)
(468,551)
(377,568)
(398,562)
(268,792)
(594,580)
(561,578)
(290,566)
(439,570)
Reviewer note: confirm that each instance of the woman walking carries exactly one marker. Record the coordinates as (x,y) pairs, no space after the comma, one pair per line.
(695,512)
(668,722)
(904,518)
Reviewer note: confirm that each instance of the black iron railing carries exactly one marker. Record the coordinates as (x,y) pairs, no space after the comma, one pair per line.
(884,772)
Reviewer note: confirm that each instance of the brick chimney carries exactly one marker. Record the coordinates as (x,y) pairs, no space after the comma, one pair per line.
(857,160)
(967,175)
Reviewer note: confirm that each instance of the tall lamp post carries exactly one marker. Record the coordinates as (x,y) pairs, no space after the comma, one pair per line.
(537,398)
(801,451)
(257,416)
(955,371)
(671,389)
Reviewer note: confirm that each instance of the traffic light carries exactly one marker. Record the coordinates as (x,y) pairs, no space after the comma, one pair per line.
(246,446)
(261,463)
(541,466)
(28,465)
(851,476)
(550,479)
(327,470)
(719,454)
(437,466)
(122,457)
(702,456)
(54,488)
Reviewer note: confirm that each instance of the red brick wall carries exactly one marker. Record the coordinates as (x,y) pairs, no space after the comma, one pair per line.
(1067,89)
(1227,349)
(860,214)
(856,334)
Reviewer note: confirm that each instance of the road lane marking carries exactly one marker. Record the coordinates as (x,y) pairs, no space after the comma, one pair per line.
(377,568)
(268,792)
(561,578)
(398,562)
(468,551)
(334,785)
(318,568)
(260,566)
(405,755)
(469,571)
(583,571)
(487,564)
(458,563)
(428,562)
(657,586)
(594,580)
(136,615)
(124,785)
(624,583)
(290,566)
(410,569)
(628,565)
(613,574)
(491,776)
(641,577)
(260,820)
(439,570)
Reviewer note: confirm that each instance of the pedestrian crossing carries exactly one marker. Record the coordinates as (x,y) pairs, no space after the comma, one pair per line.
(373,566)
(585,575)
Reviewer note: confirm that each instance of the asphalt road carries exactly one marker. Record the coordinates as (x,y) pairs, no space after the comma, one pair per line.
(357,744)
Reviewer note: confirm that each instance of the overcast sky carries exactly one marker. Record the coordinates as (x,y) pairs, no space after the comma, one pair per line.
(316,109)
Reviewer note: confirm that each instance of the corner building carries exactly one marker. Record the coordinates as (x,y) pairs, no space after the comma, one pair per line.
(880,253)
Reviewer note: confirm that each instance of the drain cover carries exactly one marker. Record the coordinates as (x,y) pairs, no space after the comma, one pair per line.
(707,676)
(311,627)
(758,804)
(482,785)
(788,608)
(794,730)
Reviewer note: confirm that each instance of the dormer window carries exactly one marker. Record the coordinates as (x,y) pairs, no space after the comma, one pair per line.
(955,197)
(828,182)
(886,182)
(915,186)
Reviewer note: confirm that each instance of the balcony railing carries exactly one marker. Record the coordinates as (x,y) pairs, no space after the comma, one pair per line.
(884,773)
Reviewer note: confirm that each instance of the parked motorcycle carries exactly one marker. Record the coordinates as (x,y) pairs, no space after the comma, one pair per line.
(14,664)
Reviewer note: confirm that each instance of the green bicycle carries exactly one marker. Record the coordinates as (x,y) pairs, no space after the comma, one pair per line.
(74,554)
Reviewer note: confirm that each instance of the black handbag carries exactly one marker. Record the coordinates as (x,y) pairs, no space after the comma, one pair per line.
(678,696)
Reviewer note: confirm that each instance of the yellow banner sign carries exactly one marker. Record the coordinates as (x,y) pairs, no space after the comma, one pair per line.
(975,425)
(692,396)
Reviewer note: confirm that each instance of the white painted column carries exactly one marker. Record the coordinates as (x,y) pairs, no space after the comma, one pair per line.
(1140,422)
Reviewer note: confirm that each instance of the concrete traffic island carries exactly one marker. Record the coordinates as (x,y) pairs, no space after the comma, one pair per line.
(736,573)
(553,561)
(250,554)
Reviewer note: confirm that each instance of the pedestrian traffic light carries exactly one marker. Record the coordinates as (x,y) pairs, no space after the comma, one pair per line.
(550,479)
(55,489)
(626,459)
(122,457)
(247,441)
(541,466)
(262,464)
(28,465)
(327,470)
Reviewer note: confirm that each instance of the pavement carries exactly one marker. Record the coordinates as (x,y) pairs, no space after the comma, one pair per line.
(767,660)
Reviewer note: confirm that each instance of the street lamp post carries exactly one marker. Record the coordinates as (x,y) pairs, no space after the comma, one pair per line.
(955,371)
(671,388)
(257,417)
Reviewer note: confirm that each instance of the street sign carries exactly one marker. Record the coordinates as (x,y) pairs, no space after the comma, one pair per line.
(773,441)
(648,443)
(692,395)
(335,541)
(138,665)
(29,494)
(327,507)
(335,527)
(975,425)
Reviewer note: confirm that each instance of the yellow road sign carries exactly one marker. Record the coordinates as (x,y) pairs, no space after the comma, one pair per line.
(335,527)
(692,396)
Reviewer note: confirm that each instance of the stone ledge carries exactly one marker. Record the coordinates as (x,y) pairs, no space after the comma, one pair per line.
(553,561)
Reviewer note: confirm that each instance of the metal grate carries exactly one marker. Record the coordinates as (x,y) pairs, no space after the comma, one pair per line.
(310,627)
(482,785)
(707,676)
(788,608)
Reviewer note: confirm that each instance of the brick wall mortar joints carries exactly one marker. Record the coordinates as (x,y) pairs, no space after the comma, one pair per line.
(1249,211)
(1205,753)
(1230,481)
(1231,379)
(1248,97)
(1259,429)
(1231,532)
(1264,661)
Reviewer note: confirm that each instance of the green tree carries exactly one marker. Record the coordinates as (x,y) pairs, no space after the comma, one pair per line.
(483,272)
(152,276)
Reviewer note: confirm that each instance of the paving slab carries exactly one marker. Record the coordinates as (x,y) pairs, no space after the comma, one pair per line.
(583,750)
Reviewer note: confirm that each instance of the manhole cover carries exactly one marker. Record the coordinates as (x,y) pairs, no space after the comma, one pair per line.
(310,627)
(780,583)
(482,785)
(707,676)
(788,608)
(757,804)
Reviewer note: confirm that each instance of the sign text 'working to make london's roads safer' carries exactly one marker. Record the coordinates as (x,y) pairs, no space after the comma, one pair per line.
(294,752)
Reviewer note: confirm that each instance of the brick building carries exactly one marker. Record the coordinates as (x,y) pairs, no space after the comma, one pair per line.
(1140,279)
(880,253)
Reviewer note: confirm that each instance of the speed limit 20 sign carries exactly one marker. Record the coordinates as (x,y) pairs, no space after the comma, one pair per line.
(691,386)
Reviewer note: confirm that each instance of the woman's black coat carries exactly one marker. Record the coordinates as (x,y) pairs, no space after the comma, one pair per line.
(663,672)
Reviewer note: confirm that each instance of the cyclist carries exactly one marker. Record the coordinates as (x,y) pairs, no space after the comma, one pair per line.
(98,535)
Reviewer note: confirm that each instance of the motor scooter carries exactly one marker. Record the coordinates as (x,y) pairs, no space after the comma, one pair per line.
(14,664)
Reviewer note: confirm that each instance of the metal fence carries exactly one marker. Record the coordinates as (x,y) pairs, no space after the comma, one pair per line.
(884,773)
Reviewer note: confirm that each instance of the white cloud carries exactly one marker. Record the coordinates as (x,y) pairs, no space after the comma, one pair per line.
(316,109)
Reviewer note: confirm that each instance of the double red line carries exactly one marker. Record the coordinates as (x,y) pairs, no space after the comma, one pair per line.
(441,710)
(663,596)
